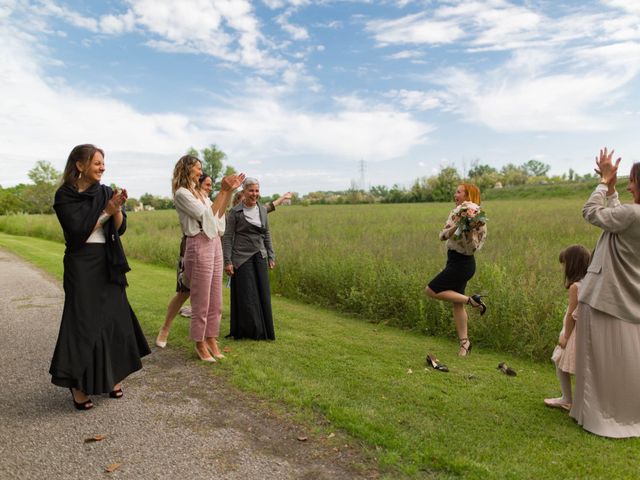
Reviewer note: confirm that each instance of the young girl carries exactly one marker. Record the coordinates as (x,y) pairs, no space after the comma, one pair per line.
(575,260)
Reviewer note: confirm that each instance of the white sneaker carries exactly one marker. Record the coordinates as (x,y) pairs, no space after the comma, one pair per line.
(185,312)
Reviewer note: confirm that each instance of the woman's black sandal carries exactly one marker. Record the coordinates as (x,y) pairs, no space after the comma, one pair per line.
(117,393)
(86,405)
(477,299)
(432,361)
(467,349)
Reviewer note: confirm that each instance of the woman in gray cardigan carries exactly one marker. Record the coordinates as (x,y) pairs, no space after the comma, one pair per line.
(608,327)
(248,256)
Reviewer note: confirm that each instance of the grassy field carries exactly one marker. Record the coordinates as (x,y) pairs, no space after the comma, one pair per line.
(340,374)
(374,261)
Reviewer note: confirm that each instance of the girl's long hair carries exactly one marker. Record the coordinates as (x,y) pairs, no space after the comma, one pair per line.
(473,193)
(575,259)
(80,153)
(182,174)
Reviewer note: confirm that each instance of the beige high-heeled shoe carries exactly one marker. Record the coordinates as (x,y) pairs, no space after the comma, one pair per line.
(204,359)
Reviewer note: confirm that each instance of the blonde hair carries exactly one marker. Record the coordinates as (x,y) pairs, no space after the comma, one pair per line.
(182,174)
(472,193)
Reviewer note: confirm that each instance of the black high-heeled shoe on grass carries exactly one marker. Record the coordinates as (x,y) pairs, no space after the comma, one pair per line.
(476,302)
(465,347)
(433,362)
(86,405)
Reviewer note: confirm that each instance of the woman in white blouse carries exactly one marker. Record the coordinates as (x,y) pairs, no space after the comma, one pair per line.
(203,223)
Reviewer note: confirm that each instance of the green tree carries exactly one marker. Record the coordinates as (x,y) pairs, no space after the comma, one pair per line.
(444,185)
(536,168)
(39,196)
(478,170)
(513,175)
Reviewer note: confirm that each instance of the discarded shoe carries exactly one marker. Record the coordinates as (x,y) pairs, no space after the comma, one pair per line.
(506,369)
(433,362)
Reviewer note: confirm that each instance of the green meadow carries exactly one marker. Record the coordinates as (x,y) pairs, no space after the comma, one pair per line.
(373,261)
(365,385)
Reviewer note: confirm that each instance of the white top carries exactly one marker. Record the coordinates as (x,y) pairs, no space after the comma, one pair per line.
(252,215)
(97,236)
(196,215)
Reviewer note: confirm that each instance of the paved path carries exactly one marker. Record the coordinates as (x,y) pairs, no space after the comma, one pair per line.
(175,420)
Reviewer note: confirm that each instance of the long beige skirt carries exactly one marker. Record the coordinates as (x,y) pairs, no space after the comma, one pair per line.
(607,394)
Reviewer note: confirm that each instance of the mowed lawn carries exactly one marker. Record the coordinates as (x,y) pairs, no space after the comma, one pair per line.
(369,381)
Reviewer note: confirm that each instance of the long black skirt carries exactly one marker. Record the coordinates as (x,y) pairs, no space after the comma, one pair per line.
(458,271)
(100,340)
(251,301)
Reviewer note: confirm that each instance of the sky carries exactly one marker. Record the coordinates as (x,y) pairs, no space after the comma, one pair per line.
(317,95)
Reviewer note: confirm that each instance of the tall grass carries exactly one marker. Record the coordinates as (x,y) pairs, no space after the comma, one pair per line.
(374,261)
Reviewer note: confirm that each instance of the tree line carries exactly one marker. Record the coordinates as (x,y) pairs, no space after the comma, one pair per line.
(37,197)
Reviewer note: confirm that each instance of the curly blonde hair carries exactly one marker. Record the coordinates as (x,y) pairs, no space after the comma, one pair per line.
(182,174)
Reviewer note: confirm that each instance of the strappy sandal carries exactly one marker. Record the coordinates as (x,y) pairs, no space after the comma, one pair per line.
(117,393)
(433,362)
(477,303)
(467,349)
(86,405)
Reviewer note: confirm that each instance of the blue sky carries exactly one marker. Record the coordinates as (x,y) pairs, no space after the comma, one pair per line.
(299,92)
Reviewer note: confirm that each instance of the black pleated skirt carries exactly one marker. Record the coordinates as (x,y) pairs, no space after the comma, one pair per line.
(100,340)
(458,271)
(251,301)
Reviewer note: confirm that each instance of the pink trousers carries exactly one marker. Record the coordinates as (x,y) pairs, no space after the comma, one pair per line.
(203,267)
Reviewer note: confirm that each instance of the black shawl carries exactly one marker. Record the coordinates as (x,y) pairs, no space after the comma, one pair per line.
(78,214)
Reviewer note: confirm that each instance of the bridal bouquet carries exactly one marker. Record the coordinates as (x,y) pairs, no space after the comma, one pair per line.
(469,216)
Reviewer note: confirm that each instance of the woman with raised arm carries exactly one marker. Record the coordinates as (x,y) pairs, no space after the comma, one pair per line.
(205,183)
(248,256)
(608,326)
(100,341)
(202,222)
(464,231)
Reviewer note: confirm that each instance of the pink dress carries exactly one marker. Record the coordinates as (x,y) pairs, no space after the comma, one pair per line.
(565,358)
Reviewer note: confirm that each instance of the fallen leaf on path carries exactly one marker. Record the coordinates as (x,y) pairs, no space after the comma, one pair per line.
(95,438)
(226,349)
(303,439)
(112,468)
(331,435)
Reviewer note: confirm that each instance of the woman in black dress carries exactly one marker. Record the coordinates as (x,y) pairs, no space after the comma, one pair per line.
(449,285)
(100,341)
(248,256)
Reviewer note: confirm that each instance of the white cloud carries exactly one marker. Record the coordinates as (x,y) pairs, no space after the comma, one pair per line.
(350,131)
(415,99)
(631,6)
(415,28)
(117,24)
(228,30)
(296,32)
(563,72)
(142,148)
(405,54)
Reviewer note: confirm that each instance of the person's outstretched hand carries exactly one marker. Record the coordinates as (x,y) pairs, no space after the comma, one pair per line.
(231,182)
(607,170)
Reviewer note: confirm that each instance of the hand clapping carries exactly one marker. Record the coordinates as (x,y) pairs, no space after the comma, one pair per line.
(117,200)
